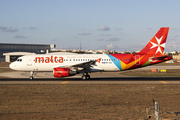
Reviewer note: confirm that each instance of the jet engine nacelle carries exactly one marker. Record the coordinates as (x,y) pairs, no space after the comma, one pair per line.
(63,72)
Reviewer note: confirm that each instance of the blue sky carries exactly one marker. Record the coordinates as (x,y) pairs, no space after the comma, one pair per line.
(121,25)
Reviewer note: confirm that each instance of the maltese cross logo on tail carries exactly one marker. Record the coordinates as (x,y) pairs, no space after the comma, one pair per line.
(159,45)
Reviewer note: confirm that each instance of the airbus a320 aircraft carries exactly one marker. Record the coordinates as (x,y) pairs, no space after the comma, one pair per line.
(72,64)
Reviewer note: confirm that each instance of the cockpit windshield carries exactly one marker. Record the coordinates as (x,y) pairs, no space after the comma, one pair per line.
(19,60)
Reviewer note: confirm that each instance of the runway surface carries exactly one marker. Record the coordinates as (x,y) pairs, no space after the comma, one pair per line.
(17,77)
(109,80)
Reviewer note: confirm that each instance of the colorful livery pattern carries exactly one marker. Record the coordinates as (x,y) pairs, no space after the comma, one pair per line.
(157,44)
(147,56)
(64,65)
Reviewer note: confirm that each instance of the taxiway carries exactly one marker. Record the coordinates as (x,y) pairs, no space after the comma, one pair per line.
(18,77)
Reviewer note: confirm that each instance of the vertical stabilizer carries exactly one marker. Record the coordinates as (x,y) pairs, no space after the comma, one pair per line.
(157,44)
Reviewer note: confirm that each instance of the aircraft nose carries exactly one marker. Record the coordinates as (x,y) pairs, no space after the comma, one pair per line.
(12,66)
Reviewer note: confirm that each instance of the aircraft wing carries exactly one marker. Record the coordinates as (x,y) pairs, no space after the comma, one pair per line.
(89,66)
(85,65)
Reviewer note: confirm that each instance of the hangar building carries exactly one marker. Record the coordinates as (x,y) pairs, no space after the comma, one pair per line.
(22,48)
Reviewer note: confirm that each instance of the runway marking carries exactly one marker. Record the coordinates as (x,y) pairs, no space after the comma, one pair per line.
(164,82)
(64,82)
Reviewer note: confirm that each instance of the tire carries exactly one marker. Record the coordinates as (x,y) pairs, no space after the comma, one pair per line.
(84,77)
(88,77)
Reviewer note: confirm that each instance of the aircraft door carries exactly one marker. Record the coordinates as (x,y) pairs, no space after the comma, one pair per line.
(137,59)
(29,61)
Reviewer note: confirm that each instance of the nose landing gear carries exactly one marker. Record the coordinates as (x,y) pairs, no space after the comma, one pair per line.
(31,75)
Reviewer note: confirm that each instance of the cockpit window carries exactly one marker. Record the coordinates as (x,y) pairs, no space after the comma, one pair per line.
(19,60)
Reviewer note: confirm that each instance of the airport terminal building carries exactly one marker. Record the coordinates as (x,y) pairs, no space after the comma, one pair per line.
(11,51)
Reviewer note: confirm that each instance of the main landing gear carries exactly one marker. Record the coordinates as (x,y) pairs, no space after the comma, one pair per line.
(85,76)
(31,75)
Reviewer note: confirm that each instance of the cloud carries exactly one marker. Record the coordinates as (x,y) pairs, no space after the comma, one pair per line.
(102,47)
(113,39)
(110,39)
(11,30)
(105,35)
(70,47)
(33,28)
(30,28)
(84,34)
(173,46)
(24,28)
(174,38)
(104,28)
(55,40)
(19,36)
(4,29)
(119,29)
(85,30)
(110,46)
(121,48)
(175,29)
(135,47)
(100,40)
(149,28)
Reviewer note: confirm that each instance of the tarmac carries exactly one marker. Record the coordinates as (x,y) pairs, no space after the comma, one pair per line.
(18,77)
(21,74)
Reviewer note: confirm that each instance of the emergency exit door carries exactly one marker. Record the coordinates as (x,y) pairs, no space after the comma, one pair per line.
(137,59)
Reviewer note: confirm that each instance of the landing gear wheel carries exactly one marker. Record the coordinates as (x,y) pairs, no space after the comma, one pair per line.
(31,75)
(84,77)
(87,77)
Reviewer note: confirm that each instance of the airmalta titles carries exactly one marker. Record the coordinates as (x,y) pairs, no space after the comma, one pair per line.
(52,59)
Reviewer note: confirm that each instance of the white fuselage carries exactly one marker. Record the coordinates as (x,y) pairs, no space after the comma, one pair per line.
(47,62)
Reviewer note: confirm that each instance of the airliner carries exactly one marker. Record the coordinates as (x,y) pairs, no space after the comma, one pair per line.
(64,65)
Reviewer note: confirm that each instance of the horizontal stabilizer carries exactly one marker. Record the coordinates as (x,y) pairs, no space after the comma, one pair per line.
(164,57)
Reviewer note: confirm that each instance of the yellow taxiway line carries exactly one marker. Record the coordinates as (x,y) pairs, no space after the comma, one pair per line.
(164,82)
(64,82)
